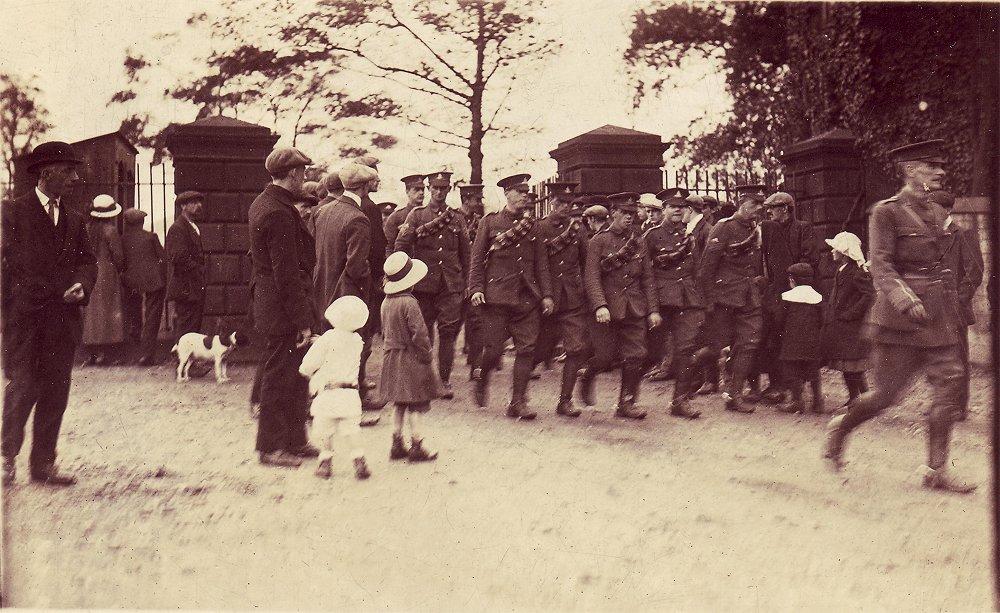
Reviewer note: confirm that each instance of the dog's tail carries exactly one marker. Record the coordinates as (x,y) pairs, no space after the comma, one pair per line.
(174,348)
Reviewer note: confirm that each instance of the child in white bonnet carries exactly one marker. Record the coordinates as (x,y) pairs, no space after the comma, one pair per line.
(332,364)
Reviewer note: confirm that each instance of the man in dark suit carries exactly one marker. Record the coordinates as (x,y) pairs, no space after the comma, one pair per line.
(283,255)
(343,245)
(376,253)
(48,271)
(186,284)
(144,279)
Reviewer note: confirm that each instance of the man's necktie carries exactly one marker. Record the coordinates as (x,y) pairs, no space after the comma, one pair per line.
(52,211)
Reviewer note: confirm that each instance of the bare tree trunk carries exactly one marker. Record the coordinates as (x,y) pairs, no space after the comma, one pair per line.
(476,133)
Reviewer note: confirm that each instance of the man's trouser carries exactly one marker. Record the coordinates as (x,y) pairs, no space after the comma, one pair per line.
(740,329)
(474,340)
(187,317)
(683,325)
(152,314)
(571,326)
(503,322)
(445,308)
(284,396)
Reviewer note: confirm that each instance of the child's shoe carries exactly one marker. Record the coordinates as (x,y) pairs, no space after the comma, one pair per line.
(361,469)
(399,449)
(323,469)
(419,454)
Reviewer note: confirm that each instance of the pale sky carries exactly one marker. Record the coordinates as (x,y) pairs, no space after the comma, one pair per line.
(75,48)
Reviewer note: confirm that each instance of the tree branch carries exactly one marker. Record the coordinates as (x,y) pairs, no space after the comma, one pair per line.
(396,69)
(455,71)
(420,122)
(444,142)
(458,101)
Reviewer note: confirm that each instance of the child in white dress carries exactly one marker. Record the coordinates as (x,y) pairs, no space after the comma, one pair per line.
(332,364)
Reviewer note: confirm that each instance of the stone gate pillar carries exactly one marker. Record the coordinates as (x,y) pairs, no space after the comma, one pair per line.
(224,159)
(612,159)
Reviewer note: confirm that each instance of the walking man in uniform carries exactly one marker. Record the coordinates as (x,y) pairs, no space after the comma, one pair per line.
(472,213)
(435,234)
(415,192)
(619,283)
(566,244)
(48,271)
(508,279)
(730,277)
(673,255)
(915,322)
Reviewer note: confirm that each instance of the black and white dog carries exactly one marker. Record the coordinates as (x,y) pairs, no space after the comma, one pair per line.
(196,347)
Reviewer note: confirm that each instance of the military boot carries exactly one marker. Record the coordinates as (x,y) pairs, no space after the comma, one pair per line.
(566,408)
(481,388)
(587,394)
(733,403)
(936,475)
(680,407)
(628,395)
(836,437)
(519,409)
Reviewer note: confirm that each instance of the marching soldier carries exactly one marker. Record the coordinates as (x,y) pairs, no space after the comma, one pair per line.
(730,273)
(652,212)
(674,258)
(472,212)
(415,191)
(566,243)
(436,235)
(508,279)
(915,323)
(619,283)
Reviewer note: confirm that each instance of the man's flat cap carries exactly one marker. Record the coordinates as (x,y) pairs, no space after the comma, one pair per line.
(283,159)
(441,178)
(649,201)
(310,190)
(779,199)
(931,151)
(52,152)
(355,175)
(596,210)
(368,160)
(413,180)
(518,182)
(801,272)
(710,201)
(753,192)
(696,202)
(624,201)
(332,182)
(189,196)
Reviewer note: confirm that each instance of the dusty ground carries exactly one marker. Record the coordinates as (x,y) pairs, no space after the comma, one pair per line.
(172,510)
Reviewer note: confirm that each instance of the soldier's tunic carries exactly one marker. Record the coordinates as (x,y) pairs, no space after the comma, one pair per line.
(513,276)
(673,255)
(730,272)
(627,289)
(909,250)
(471,319)
(437,237)
(566,245)
(391,227)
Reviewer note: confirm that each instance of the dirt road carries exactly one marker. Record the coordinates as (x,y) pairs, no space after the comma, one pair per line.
(731,511)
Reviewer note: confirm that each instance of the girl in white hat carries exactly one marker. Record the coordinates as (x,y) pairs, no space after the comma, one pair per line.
(332,364)
(407,377)
(851,297)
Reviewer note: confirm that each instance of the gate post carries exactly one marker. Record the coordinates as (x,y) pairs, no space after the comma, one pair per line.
(224,159)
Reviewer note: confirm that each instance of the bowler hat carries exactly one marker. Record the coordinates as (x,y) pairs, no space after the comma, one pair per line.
(283,159)
(779,199)
(402,272)
(189,196)
(442,178)
(518,182)
(931,151)
(52,152)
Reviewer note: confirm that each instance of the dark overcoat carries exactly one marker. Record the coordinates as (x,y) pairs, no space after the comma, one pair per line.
(103,322)
(145,261)
(801,326)
(407,375)
(965,259)
(343,241)
(187,262)
(850,298)
(283,256)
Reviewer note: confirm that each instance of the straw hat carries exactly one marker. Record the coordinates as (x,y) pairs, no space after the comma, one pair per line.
(348,313)
(105,207)
(402,272)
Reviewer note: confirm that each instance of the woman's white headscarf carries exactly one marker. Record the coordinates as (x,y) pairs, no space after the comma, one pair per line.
(849,245)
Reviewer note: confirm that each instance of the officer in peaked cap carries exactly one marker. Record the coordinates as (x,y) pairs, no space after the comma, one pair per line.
(784,241)
(436,235)
(509,281)
(730,270)
(566,245)
(471,195)
(619,282)
(915,321)
(415,192)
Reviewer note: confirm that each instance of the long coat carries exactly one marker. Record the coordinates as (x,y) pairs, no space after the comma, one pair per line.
(850,299)
(187,262)
(343,241)
(407,375)
(801,325)
(283,255)
(103,323)
(784,244)
(145,261)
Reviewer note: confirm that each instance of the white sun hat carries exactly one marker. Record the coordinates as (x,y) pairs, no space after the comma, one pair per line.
(348,313)
(402,272)
(105,207)
(848,244)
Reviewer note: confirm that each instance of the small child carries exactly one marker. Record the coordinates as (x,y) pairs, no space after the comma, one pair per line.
(850,299)
(801,321)
(407,377)
(331,365)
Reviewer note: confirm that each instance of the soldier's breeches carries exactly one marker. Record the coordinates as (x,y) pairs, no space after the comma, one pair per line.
(502,322)
(445,309)
(894,368)
(624,338)
(736,327)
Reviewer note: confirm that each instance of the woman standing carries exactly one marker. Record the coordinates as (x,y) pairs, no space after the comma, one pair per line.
(850,299)
(103,324)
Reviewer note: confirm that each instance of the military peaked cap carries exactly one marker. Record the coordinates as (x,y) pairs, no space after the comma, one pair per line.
(752,192)
(471,189)
(926,151)
(413,180)
(560,188)
(624,201)
(441,178)
(518,182)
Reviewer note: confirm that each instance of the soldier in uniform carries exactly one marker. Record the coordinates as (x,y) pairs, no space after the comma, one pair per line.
(730,273)
(674,258)
(472,213)
(415,191)
(619,283)
(508,279)
(566,243)
(436,235)
(915,322)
